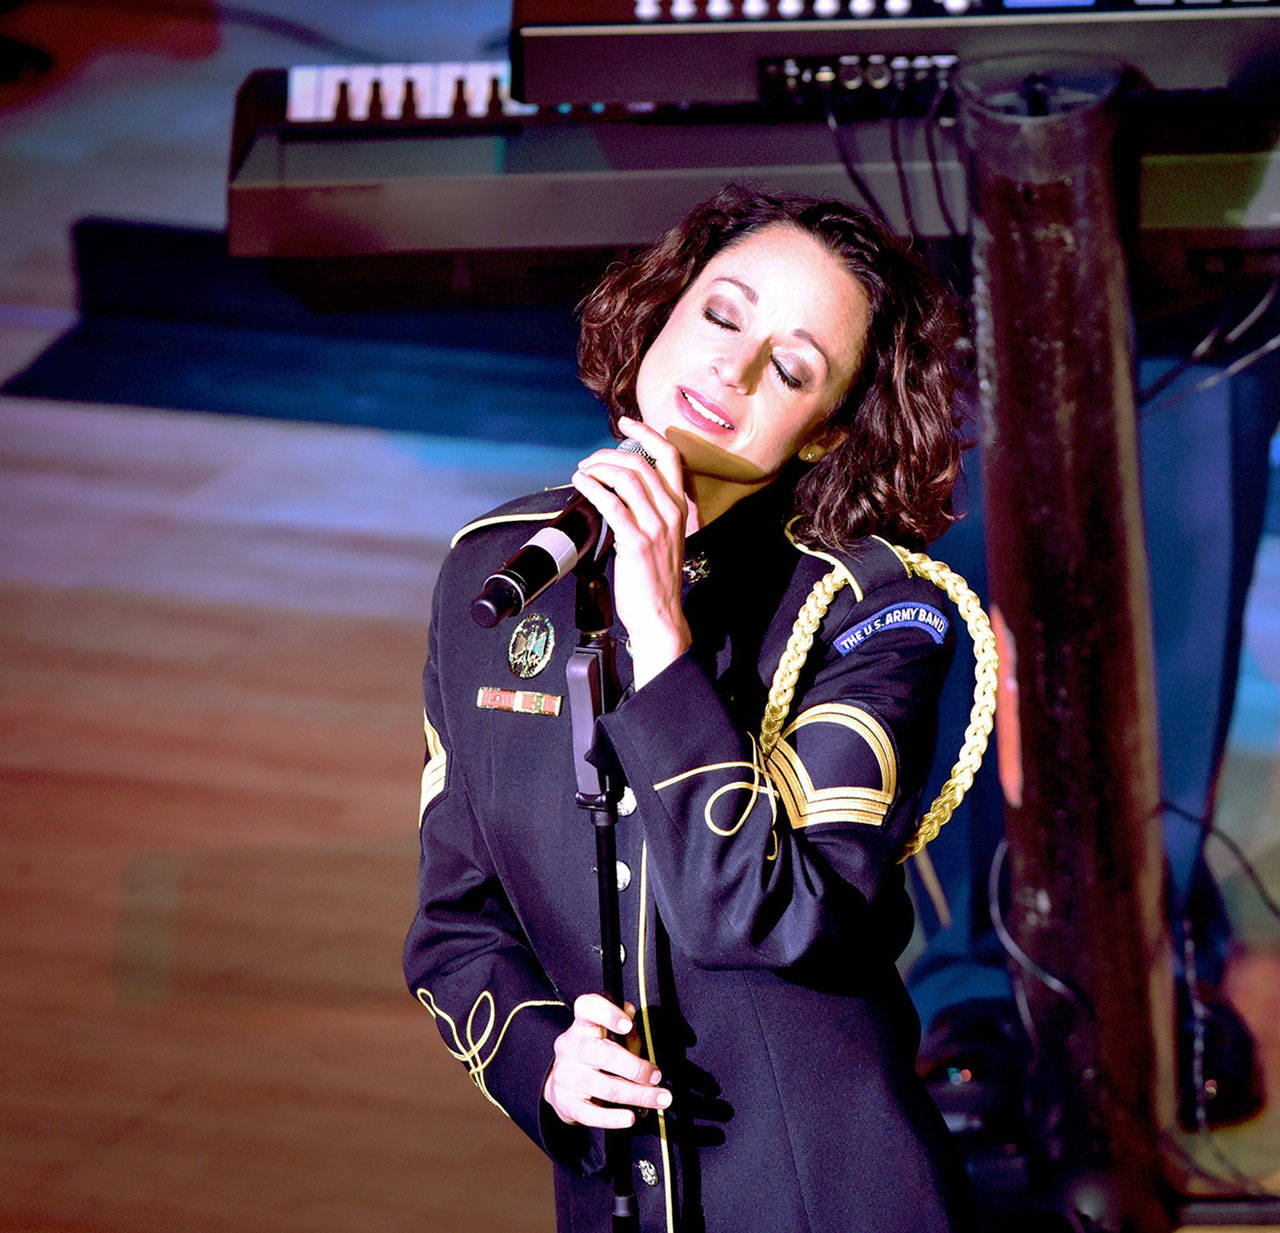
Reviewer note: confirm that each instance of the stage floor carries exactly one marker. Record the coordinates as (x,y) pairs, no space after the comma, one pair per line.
(211,630)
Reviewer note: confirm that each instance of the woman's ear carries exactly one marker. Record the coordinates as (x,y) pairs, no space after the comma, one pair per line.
(821,445)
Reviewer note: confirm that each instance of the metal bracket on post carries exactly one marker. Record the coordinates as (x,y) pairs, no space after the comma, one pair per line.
(1071,608)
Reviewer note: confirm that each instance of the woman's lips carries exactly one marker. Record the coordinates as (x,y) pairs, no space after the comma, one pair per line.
(701,411)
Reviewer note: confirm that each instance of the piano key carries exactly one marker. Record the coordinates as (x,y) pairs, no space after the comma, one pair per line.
(448,75)
(391,79)
(483,87)
(476,78)
(332,78)
(510,106)
(423,79)
(360,86)
(304,95)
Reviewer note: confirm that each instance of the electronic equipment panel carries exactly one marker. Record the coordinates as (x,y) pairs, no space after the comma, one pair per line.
(719,51)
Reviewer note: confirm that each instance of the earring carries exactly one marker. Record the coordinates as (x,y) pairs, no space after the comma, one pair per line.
(811,453)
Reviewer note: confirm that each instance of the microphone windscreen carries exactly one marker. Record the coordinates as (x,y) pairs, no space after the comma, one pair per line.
(632,446)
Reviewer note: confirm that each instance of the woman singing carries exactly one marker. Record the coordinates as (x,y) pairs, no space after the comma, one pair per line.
(787,368)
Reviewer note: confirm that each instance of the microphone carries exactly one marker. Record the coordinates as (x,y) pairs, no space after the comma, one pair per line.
(547,557)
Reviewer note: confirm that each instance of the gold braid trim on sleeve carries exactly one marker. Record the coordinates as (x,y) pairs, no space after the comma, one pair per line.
(469,1050)
(433,771)
(981,717)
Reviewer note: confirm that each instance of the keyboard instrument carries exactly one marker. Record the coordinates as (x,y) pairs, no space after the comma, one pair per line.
(322,166)
(360,160)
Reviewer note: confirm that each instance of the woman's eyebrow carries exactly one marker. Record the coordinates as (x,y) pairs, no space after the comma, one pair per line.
(814,343)
(749,292)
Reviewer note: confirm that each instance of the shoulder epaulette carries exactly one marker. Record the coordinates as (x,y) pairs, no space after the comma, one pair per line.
(867,566)
(535,507)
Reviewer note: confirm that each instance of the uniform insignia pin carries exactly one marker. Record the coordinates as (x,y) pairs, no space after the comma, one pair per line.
(695,568)
(521,701)
(532,642)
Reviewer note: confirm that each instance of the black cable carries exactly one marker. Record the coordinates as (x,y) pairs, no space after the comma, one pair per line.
(1246,867)
(1012,949)
(1199,1029)
(1237,331)
(837,133)
(1231,1174)
(895,151)
(1213,341)
(239,15)
(1251,1187)
(1236,367)
(1212,831)
(931,124)
(1206,346)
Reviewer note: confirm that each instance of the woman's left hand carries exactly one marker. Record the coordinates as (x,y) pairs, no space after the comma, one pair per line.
(646,508)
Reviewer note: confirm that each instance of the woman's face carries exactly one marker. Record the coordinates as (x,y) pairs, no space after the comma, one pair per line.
(756,354)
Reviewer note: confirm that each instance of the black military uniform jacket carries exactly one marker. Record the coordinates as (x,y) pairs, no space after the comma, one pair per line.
(763,904)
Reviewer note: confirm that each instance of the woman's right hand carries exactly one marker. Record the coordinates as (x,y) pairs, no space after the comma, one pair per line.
(645,505)
(590,1068)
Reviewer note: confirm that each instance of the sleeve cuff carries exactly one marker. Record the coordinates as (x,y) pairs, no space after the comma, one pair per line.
(523,1067)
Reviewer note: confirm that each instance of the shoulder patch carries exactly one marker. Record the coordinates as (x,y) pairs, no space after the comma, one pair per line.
(896,616)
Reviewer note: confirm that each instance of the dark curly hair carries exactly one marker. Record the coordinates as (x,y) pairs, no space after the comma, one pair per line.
(893,471)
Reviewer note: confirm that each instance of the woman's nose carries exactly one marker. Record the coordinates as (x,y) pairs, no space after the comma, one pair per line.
(740,363)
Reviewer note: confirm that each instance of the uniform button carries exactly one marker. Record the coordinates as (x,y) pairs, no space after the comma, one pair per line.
(622,953)
(624,875)
(648,1172)
(626,802)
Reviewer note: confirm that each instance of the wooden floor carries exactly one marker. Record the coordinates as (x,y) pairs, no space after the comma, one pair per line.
(211,631)
(210,636)
(208,775)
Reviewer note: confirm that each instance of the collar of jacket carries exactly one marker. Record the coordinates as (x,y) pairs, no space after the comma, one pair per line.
(746,527)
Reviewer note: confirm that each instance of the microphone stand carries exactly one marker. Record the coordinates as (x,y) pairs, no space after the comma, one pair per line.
(592,680)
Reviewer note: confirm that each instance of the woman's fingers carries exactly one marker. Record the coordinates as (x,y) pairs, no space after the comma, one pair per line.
(630,477)
(585,1042)
(650,493)
(608,1057)
(584,1112)
(592,1074)
(666,458)
(580,1093)
(596,1009)
(646,509)
(637,506)
(610,1073)
(600,485)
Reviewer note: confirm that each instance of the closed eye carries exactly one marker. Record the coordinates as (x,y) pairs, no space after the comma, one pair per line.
(788,379)
(715,318)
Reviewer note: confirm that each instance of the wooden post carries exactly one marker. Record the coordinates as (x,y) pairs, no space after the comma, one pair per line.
(1077,739)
